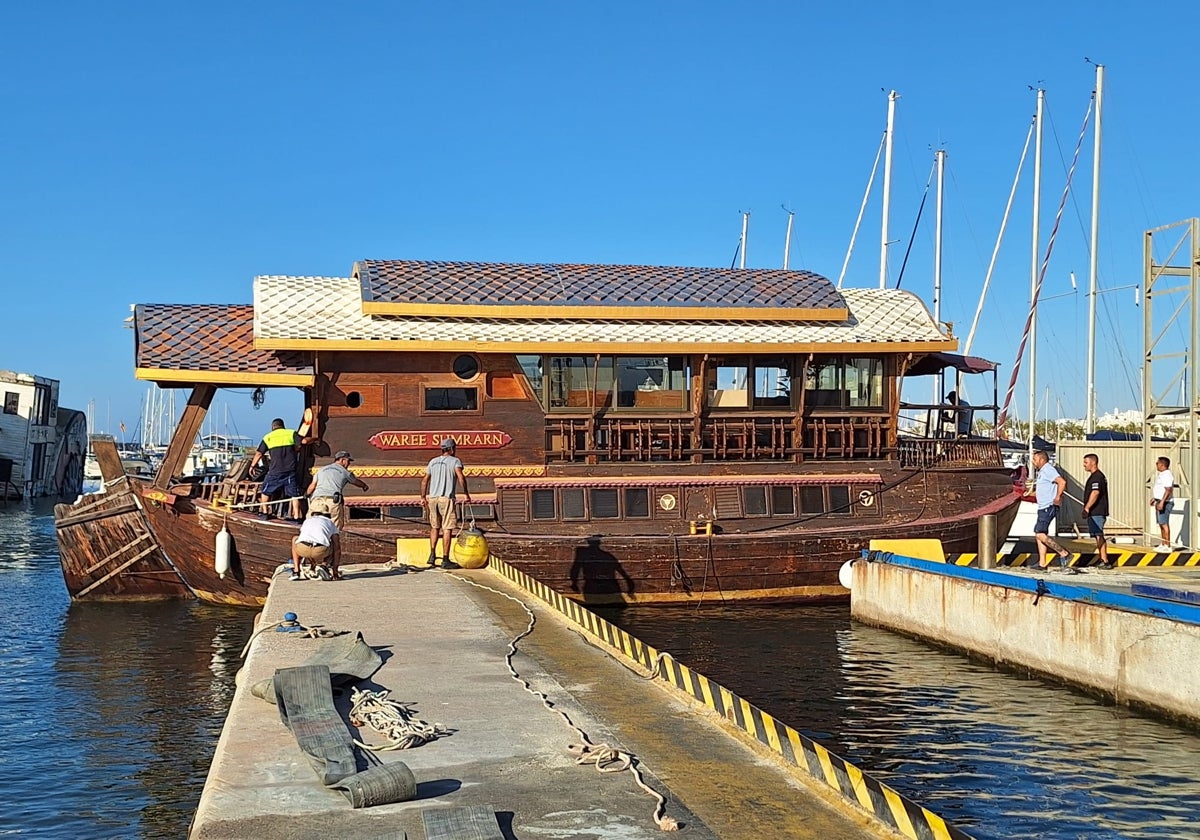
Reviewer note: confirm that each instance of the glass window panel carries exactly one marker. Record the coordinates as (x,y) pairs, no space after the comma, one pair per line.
(864,381)
(451,399)
(637,502)
(783,501)
(570,381)
(823,382)
(531,366)
(543,504)
(604,503)
(839,500)
(572,503)
(772,382)
(730,385)
(812,500)
(754,501)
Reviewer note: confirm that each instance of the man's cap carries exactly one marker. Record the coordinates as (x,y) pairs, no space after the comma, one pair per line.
(449,443)
(340,454)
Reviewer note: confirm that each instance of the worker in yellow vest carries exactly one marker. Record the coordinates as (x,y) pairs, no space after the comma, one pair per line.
(281,446)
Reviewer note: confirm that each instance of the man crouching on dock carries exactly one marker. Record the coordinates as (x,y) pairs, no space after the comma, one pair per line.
(317,542)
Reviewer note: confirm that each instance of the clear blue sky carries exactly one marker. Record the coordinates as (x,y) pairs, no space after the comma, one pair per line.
(170,152)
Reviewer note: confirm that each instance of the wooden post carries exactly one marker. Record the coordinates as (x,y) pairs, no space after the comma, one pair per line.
(185,435)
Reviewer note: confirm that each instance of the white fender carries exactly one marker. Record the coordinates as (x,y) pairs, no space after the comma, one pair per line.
(224,550)
(846,574)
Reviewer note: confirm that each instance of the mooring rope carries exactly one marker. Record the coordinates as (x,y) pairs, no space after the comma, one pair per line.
(394,719)
(605,758)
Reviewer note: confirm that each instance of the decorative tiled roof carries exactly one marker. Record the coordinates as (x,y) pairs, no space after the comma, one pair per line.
(326,312)
(209,343)
(604,292)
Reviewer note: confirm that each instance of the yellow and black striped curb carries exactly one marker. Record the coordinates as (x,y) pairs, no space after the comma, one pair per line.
(797,750)
(1136,559)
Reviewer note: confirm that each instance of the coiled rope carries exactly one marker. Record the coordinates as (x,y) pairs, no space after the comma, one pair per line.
(605,758)
(394,719)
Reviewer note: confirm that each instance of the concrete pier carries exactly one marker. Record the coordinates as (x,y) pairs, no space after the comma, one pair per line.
(444,643)
(1131,634)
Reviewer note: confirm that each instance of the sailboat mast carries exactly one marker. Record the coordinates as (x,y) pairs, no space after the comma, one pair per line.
(745,231)
(887,189)
(1033,268)
(940,156)
(1094,267)
(787,239)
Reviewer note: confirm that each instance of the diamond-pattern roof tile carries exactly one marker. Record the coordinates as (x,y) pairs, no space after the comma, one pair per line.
(388,283)
(215,338)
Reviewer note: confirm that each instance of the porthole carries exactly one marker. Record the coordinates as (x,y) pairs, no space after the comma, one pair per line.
(466,367)
(354,399)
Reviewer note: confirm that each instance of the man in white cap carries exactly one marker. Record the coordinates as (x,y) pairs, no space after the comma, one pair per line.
(442,477)
(325,489)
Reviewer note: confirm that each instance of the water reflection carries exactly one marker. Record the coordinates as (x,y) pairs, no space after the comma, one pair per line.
(111,711)
(1000,755)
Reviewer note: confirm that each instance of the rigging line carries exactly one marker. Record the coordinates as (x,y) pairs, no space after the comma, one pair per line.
(916,224)
(861,210)
(987,278)
(1121,357)
(1037,288)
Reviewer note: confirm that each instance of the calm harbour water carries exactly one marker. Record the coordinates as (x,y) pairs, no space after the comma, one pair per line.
(997,754)
(110,712)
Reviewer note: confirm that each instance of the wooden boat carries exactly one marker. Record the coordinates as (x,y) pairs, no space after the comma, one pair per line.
(631,434)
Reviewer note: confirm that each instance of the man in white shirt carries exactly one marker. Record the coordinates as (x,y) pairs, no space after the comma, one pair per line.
(1161,501)
(319,543)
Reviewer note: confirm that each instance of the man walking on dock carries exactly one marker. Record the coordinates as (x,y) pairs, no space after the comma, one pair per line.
(1049,489)
(443,475)
(280,445)
(1161,501)
(325,490)
(1095,505)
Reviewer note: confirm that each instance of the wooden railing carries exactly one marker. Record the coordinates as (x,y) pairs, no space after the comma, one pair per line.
(717,438)
(949,453)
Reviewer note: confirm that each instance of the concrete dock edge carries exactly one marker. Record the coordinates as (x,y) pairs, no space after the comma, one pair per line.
(798,753)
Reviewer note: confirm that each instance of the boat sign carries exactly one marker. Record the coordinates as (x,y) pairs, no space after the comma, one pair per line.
(490,439)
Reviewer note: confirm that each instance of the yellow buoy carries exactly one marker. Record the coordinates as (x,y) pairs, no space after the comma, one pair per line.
(470,549)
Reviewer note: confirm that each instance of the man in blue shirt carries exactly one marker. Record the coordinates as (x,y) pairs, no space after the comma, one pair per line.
(280,445)
(442,477)
(1049,489)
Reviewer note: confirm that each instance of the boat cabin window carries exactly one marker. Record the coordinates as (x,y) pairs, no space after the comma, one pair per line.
(841,382)
(572,503)
(637,503)
(11,402)
(542,506)
(451,399)
(650,382)
(622,382)
(756,382)
(604,503)
(466,367)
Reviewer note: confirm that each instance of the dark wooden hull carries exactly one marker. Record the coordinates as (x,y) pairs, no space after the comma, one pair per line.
(109,553)
(783,564)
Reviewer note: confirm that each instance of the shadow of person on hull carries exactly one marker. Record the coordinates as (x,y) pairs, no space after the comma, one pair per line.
(600,571)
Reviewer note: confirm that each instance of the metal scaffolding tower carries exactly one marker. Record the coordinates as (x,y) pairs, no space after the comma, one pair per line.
(1171,366)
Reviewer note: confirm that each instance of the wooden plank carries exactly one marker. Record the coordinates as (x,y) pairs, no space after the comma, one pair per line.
(117,571)
(117,553)
(104,447)
(185,435)
(107,513)
(477,822)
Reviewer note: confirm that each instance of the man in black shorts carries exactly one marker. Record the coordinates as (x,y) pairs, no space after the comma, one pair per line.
(1095,505)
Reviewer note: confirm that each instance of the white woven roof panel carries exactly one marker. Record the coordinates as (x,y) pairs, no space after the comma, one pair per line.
(308,309)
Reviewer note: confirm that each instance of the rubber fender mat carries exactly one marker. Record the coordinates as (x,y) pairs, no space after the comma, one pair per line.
(379,785)
(477,822)
(304,696)
(349,659)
